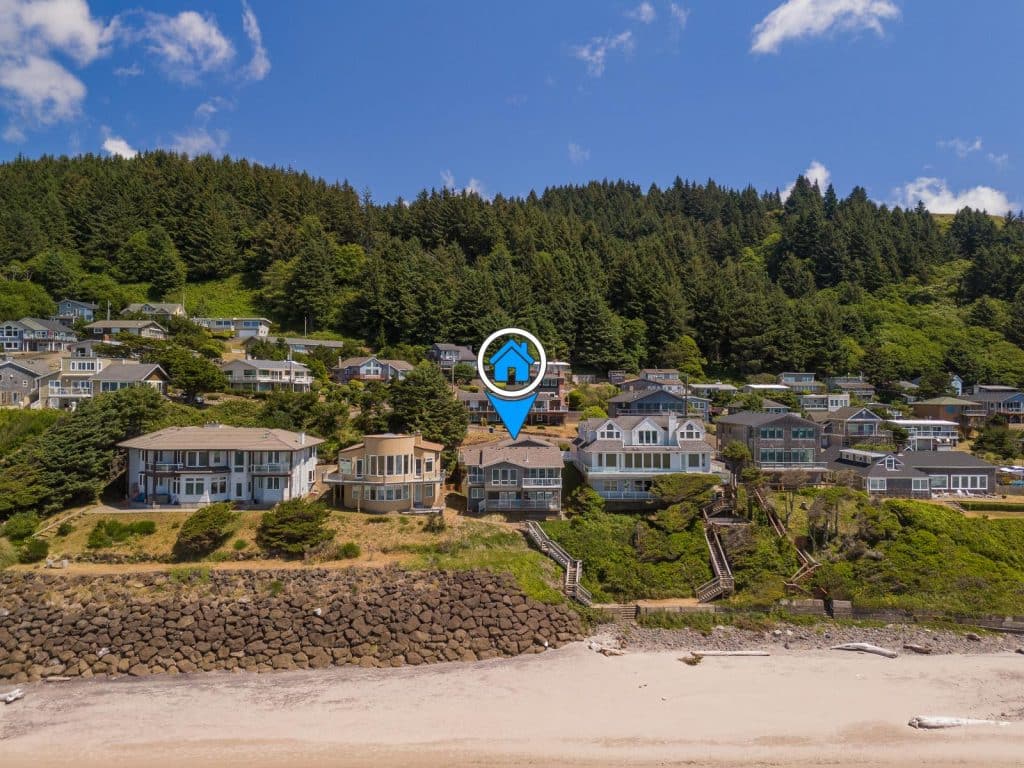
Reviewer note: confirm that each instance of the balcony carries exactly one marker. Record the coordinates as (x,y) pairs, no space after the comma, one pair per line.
(542,482)
(171,466)
(517,505)
(70,391)
(278,468)
(626,495)
(349,477)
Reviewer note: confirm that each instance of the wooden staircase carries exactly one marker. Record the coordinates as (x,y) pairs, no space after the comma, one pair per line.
(571,587)
(721,511)
(808,565)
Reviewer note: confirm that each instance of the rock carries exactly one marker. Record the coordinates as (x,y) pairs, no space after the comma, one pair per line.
(138,670)
(973,636)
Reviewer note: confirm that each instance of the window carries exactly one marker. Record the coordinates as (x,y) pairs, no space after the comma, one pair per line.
(476,493)
(647,437)
(273,483)
(429,464)
(356,492)
(939,482)
(771,433)
(359,467)
(239,461)
(610,433)
(890,463)
(607,459)
(238,490)
(876,483)
(803,433)
(693,460)
(419,467)
(691,432)
(920,483)
(195,486)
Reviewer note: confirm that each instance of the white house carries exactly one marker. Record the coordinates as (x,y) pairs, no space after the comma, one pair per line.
(194,466)
(930,434)
(240,327)
(267,375)
(620,457)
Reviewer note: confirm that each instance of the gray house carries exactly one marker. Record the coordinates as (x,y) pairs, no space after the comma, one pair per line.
(69,310)
(522,475)
(370,368)
(22,380)
(449,355)
(917,474)
(776,441)
(657,400)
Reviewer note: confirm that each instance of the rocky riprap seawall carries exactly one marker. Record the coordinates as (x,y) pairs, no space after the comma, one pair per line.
(151,623)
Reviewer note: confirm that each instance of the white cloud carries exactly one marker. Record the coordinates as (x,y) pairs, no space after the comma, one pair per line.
(115,145)
(962,147)
(200,141)
(13,134)
(34,88)
(679,14)
(186,45)
(938,198)
(816,173)
(132,71)
(644,13)
(578,154)
(448,179)
(811,18)
(999,161)
(596,51)
(259,65)
(212,106)
(473,187)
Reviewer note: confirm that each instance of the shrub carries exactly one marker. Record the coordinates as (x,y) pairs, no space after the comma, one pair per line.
(189,575)
(275,588)
(293,527)
(65,529)
(349,551)
(21,525)
(434,523)
(205,530)
(33,550)
(240,544)
(107,533)
(377,519)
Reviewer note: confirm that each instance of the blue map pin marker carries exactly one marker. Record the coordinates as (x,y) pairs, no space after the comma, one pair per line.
(512,363)
(512,413)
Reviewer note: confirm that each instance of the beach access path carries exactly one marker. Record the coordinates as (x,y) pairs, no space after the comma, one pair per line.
(570,707)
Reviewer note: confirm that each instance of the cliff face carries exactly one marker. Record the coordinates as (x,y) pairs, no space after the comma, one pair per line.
(142,624)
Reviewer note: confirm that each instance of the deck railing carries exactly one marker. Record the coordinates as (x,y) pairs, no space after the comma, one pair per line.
(573,568)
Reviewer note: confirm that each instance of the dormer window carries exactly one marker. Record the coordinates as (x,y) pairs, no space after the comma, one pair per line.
(647,437)
(890,463)
(610,432)
(690,432)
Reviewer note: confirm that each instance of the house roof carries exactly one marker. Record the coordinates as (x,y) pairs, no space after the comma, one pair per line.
(84,304)
(640,394)
(273,365)
(644,372)
(524,452)
(923,422)
(38,324)
(156,306)
(846,413)
(944,401)
(853,385)
(221,437)
(419,442)
(675,445)
(200,320)
(294,341)
(750,418)
(35,368)
(995,396)
(398,365)
(767,403)
(944,459)
(717,386)
(128,372)
(126,324)
(632,421)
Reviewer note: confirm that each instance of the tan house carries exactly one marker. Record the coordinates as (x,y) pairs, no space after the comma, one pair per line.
(523,475)
(160,310)
(147,329)
(390,473)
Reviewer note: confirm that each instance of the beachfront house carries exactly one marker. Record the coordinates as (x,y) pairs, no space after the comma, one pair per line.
(23,382)
(776,442)
(519,476)
(33,334)
(122,374)
(195,466)
(390,473)
(267,375)
(916,474)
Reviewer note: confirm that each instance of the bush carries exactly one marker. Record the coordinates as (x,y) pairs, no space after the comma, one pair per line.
(434,523)
(33,550)
(205,530)
(293,527)
(107,533)
(349,551)
(240,544)
(65,529)
(189,575)
(21,525)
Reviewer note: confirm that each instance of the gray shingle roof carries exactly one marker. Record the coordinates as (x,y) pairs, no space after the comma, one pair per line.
(221,437)
(128,372)
(525,452)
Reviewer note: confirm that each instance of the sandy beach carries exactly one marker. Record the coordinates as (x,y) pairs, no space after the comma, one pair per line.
(572,706)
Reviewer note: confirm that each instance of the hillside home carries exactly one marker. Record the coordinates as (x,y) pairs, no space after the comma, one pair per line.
(801,383)
(32,334)
(239,327)
(857,386)
(390,473)
(970,415)
(523,475)
(22,382)
(267,375)
(157,310)
(851,426)
(70,310)
(929,434)
(74,382)
(776,442)
(620,457)
(645,383)
(665,375)
(766,390)
(195,466)
(108,329)
(657,401)
(122,374)
(711,389)
(304,346)
(551,406)
(917,474)
(827,401)
(447,356)
(371,368)
(1000,400)
(617,376)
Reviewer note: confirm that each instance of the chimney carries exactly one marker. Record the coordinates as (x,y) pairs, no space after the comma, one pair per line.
(673,423)
(302,438)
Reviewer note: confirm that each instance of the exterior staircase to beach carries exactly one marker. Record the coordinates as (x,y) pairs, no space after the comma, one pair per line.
(721,511)
(573,567)
(808,565)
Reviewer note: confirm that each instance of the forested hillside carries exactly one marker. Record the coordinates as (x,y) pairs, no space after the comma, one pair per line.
(608,275)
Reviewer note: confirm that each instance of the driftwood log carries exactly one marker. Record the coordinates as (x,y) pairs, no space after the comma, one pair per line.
(866,648)
(730,653)
(11,696)
(916,648)
(929,722)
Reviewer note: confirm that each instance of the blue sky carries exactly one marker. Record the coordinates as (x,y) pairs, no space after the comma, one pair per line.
(908,98)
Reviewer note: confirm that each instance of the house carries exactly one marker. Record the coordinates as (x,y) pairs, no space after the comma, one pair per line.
(550,408)
(123,374)
(767,406)
(158,310)
(617,376)
(447,356)
(195,466)
(70,310)
(32,334)
(523,475)
(766,389)
(801,383)
(390,473)
(776,442)
(512,363)
(711,389)
(929,434)
(968,414)
(916,474)
(239,327)
(956,385)
(22,382)
(147,329)
(370,368)
(852,425)
(267,375)
(667,385)
(74,382)
(1000,400)
(657,401)
(552,404)
(620,457)
(304,346)
(857,386)
(665,375)
(828,401)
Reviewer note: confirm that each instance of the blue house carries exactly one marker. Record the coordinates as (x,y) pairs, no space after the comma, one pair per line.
(512,362)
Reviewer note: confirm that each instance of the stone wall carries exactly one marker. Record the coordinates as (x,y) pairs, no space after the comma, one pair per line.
(152,623)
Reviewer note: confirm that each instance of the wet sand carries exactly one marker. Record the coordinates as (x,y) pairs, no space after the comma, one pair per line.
(570,707)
